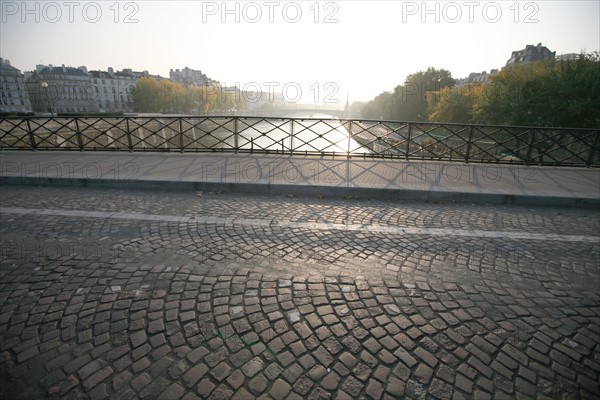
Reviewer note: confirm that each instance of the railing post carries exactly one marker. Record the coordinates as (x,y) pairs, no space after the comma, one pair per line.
(349,135)
(251,145)
(181,135)
(530,148)
(78,133)
(291,136)
(235,134)
(31,136)
(468,152)
(129,142)
(408,140)
(593,149)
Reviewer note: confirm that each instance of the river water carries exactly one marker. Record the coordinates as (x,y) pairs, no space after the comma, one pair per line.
(310,134)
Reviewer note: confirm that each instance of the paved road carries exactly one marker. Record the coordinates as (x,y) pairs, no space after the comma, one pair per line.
(184,295)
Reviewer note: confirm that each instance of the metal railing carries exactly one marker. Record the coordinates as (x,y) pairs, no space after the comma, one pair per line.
(369,138)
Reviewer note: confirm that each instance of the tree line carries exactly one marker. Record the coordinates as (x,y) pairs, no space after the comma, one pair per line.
(153,96)
(542,93)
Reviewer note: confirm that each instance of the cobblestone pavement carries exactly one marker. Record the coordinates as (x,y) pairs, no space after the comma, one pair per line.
(124,294)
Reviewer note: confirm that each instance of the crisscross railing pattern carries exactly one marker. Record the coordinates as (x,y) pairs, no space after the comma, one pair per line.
(369,138)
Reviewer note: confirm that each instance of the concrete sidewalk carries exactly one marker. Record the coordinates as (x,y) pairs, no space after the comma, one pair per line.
(309,175)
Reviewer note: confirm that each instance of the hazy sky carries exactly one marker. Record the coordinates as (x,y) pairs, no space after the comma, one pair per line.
(324,49)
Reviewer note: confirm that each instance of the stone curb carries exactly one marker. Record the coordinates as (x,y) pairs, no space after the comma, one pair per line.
(311,191)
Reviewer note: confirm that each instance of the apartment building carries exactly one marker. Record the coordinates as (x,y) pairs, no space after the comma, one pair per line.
(61,90)
(13,96)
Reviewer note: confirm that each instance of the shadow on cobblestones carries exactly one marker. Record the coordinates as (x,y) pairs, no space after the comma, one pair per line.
(143,307)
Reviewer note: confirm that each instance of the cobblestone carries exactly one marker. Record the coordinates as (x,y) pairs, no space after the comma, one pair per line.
(273,298)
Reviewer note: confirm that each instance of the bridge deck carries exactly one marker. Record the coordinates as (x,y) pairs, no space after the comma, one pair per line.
(125,294)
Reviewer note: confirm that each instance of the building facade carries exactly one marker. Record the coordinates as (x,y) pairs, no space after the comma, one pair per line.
(568,57)
(476,77)
(188,76)
(530,53)
(112,90)
(13,96)
(61,90)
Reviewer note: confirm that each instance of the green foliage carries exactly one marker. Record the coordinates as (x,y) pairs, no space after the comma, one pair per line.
(145,95)
(544,93)
(408,102)
(454,104)
(377,108)
(153,96)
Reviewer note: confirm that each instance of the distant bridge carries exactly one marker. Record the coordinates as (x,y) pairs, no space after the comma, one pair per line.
(300,113)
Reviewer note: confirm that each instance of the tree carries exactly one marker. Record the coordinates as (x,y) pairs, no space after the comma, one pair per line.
(454,104)
(164,96)
(378,107)
(411,100)
(145,95)
(544,93)
(408,102)
(356,108)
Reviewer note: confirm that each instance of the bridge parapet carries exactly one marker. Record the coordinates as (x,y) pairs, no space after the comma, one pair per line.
(302,135)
